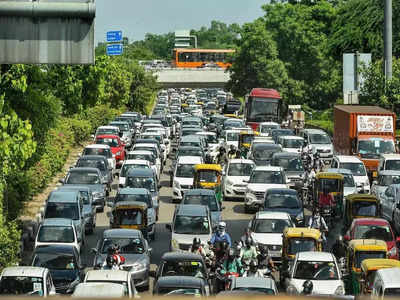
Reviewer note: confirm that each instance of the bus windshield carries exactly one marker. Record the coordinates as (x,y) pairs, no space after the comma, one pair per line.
(263,109)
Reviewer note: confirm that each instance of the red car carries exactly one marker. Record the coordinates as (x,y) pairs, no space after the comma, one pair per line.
(374,228)
(116,145)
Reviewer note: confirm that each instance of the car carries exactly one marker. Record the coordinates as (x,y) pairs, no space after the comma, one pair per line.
(192,140)
(99,162)
(58,231)
(291,143)
(116,145)
(349,185)
(261,153)
(275,133)
(104,150)
(265,128)
(189,221)
(180,286)
(133,247)
(127,132)
(237,172)
(267,229)
(262,179)
(26,280)
(149,156)
(128,164)
(114,130)
(231,138)
(139,195)
(205,197)
(390,205)
(389,162)
(99,290)
(265,286)
(318,141)
(319,267)
(374,228)
(122,277)
(90,177)
(357,167)
(64,263)
(285,200)
(183,176)
(292,164)
(384,179)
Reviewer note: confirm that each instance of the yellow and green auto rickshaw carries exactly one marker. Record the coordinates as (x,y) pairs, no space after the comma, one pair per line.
(356,252)
(246,138)
(333,184)
(361,206)
(208,176)
(368,269)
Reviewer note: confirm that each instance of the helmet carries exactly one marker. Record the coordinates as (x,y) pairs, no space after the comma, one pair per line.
(221,226)
(110,260)
(248,242)
(232,147)
(196,243)
(307,287)
(263,250)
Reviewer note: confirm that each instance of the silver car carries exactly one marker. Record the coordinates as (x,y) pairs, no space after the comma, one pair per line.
(133,247)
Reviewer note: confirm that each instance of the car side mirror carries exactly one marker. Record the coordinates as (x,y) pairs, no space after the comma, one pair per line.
(62,181)
(246,181)
(150,250)
(168,226)
(223,207)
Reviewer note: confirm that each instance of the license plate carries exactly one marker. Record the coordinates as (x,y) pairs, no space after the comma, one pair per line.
(275,253)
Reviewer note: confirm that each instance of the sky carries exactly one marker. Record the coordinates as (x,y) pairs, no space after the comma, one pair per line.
(137,17)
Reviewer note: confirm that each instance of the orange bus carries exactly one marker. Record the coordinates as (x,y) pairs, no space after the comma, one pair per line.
(198,58)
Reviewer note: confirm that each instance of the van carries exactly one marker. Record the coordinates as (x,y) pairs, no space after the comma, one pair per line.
(67,204)
(389,162)
(183,176)
(386,283)
(319,141)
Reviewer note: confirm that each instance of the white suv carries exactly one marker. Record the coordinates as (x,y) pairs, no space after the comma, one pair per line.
(237,173)
(261,179)
(183,176)
(357,167)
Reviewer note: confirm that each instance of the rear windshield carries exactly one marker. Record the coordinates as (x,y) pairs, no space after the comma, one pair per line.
(62,210)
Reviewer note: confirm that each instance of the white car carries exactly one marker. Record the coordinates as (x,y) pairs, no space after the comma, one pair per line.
(104,150)
(261,179)
(267,229)
(131,163)
(319,141)
(114,130)
(183,176)
(231,138)
(147,155)
(357,167)
(291,143)
(237,172)
(319,267)
(265,128)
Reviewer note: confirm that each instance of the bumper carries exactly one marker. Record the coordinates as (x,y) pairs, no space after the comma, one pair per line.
(177,194)
(141,277)
(251,202)
(231,191)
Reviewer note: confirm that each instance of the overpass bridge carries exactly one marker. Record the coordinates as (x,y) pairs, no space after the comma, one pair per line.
(191,78)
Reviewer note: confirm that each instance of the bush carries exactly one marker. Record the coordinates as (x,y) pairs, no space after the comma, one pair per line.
(100,115)
(322,124)
(81,129)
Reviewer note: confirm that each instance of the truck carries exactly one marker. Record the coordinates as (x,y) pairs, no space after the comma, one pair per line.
(365,131)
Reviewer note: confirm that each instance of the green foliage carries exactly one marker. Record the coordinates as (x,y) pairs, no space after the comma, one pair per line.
(9,247)
(326,125)
(218,36)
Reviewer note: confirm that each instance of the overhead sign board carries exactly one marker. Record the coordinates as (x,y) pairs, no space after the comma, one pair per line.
(114,49)
(114,36)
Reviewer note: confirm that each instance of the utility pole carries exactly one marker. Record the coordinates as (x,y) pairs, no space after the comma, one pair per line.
(388,39)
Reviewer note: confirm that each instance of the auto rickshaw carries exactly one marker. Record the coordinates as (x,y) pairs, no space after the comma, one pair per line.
(332,183)
(185,107)
(245,140)
(297,239)
(356,252)
(368,269)
(130,215)
(361,206)
(231,116)
(208,176)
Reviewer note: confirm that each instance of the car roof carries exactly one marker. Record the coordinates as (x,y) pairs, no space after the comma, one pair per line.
(57,222)
(285,154)
(241,161)
(282,191)
(370,221)
(291,137)
(140,172)
(340,171)
(266,145)
(136,162)
(193,210)
(92,157)
(65,196)
(28,271)
(390,276)
(394,156)
(189,148)
(97,146)
(121,233)
(73,187)
(348,158)
(267,168)
(389,172)
(315,256)
(133,191)
(189,160)
(272,215)
(84,169)
(145,152)
(93,289)
(108,127)
(190,137)
(55,249)
(107,136)
(200,192)
(150,145)
(181,256)
(260,282)
(106,275)
(180,281)
(314,131)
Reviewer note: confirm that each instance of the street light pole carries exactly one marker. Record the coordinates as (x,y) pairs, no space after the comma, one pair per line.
(388,39)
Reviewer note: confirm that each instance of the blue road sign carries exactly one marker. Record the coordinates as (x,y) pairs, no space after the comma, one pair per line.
(114,36)
(114,49)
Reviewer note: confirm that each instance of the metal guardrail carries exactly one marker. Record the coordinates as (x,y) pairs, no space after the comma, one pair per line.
(185,69)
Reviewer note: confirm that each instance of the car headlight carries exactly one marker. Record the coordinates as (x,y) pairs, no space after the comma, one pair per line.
(292,290)
(139,266)
(174,244)
(228,182)
(366,182)
(98,194)
(339,290)
(118,153)
(393,251)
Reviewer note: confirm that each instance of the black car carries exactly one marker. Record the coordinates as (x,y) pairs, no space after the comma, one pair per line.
(275,133)
(262,153)
(180,286)
(100,162)
(64,263)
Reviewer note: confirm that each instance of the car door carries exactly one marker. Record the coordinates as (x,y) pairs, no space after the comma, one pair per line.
(396,209)
(388,203)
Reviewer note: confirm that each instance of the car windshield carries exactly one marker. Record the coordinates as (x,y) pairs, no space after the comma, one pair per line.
(56,234)
(301,244)
(348,180)
(97,151)
(233,124)
(319,139)
(102,131)
(54,261)
(189,152)
(141,182)
(190,144)
(240,169)
(268,128)
(316,270)
(91,163)
(266,291)
(129,217)
(393,164)
(328,184)
(191,225)
(373,232)
(208,176)
(270,225)
(288,163)
(261,109)
(361,255)
(292,143)
(122,127)
(62,210)
(208,200)
(112,142)
(126,167)
(126,245)
(82,178)
(364,209)
(386,180)
(232,136)
(184,171)
(21,285)
(357,169)
(211,139)
(373,148)
(146,148)
(178,291)
(145,198)
(149,157)
(262,153)
(281,200)
(183,268)
(267,177)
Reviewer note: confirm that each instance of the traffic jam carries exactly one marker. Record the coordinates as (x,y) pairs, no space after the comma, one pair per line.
(313,214)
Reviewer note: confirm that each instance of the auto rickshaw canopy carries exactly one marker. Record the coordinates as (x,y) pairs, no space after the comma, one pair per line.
(373,264)
(302,232)
(208,167)
(367,245)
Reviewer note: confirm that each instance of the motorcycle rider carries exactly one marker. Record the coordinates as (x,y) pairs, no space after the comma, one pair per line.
(318,222)
(247,234)
(197,248)
(221,156)
(221,235)
(110,263)
(232,152)
(248,252)
(231,264)
(265,262)
(339,248)
(253,270)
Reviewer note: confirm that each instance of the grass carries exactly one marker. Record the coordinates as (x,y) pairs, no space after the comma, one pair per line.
(326,125)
